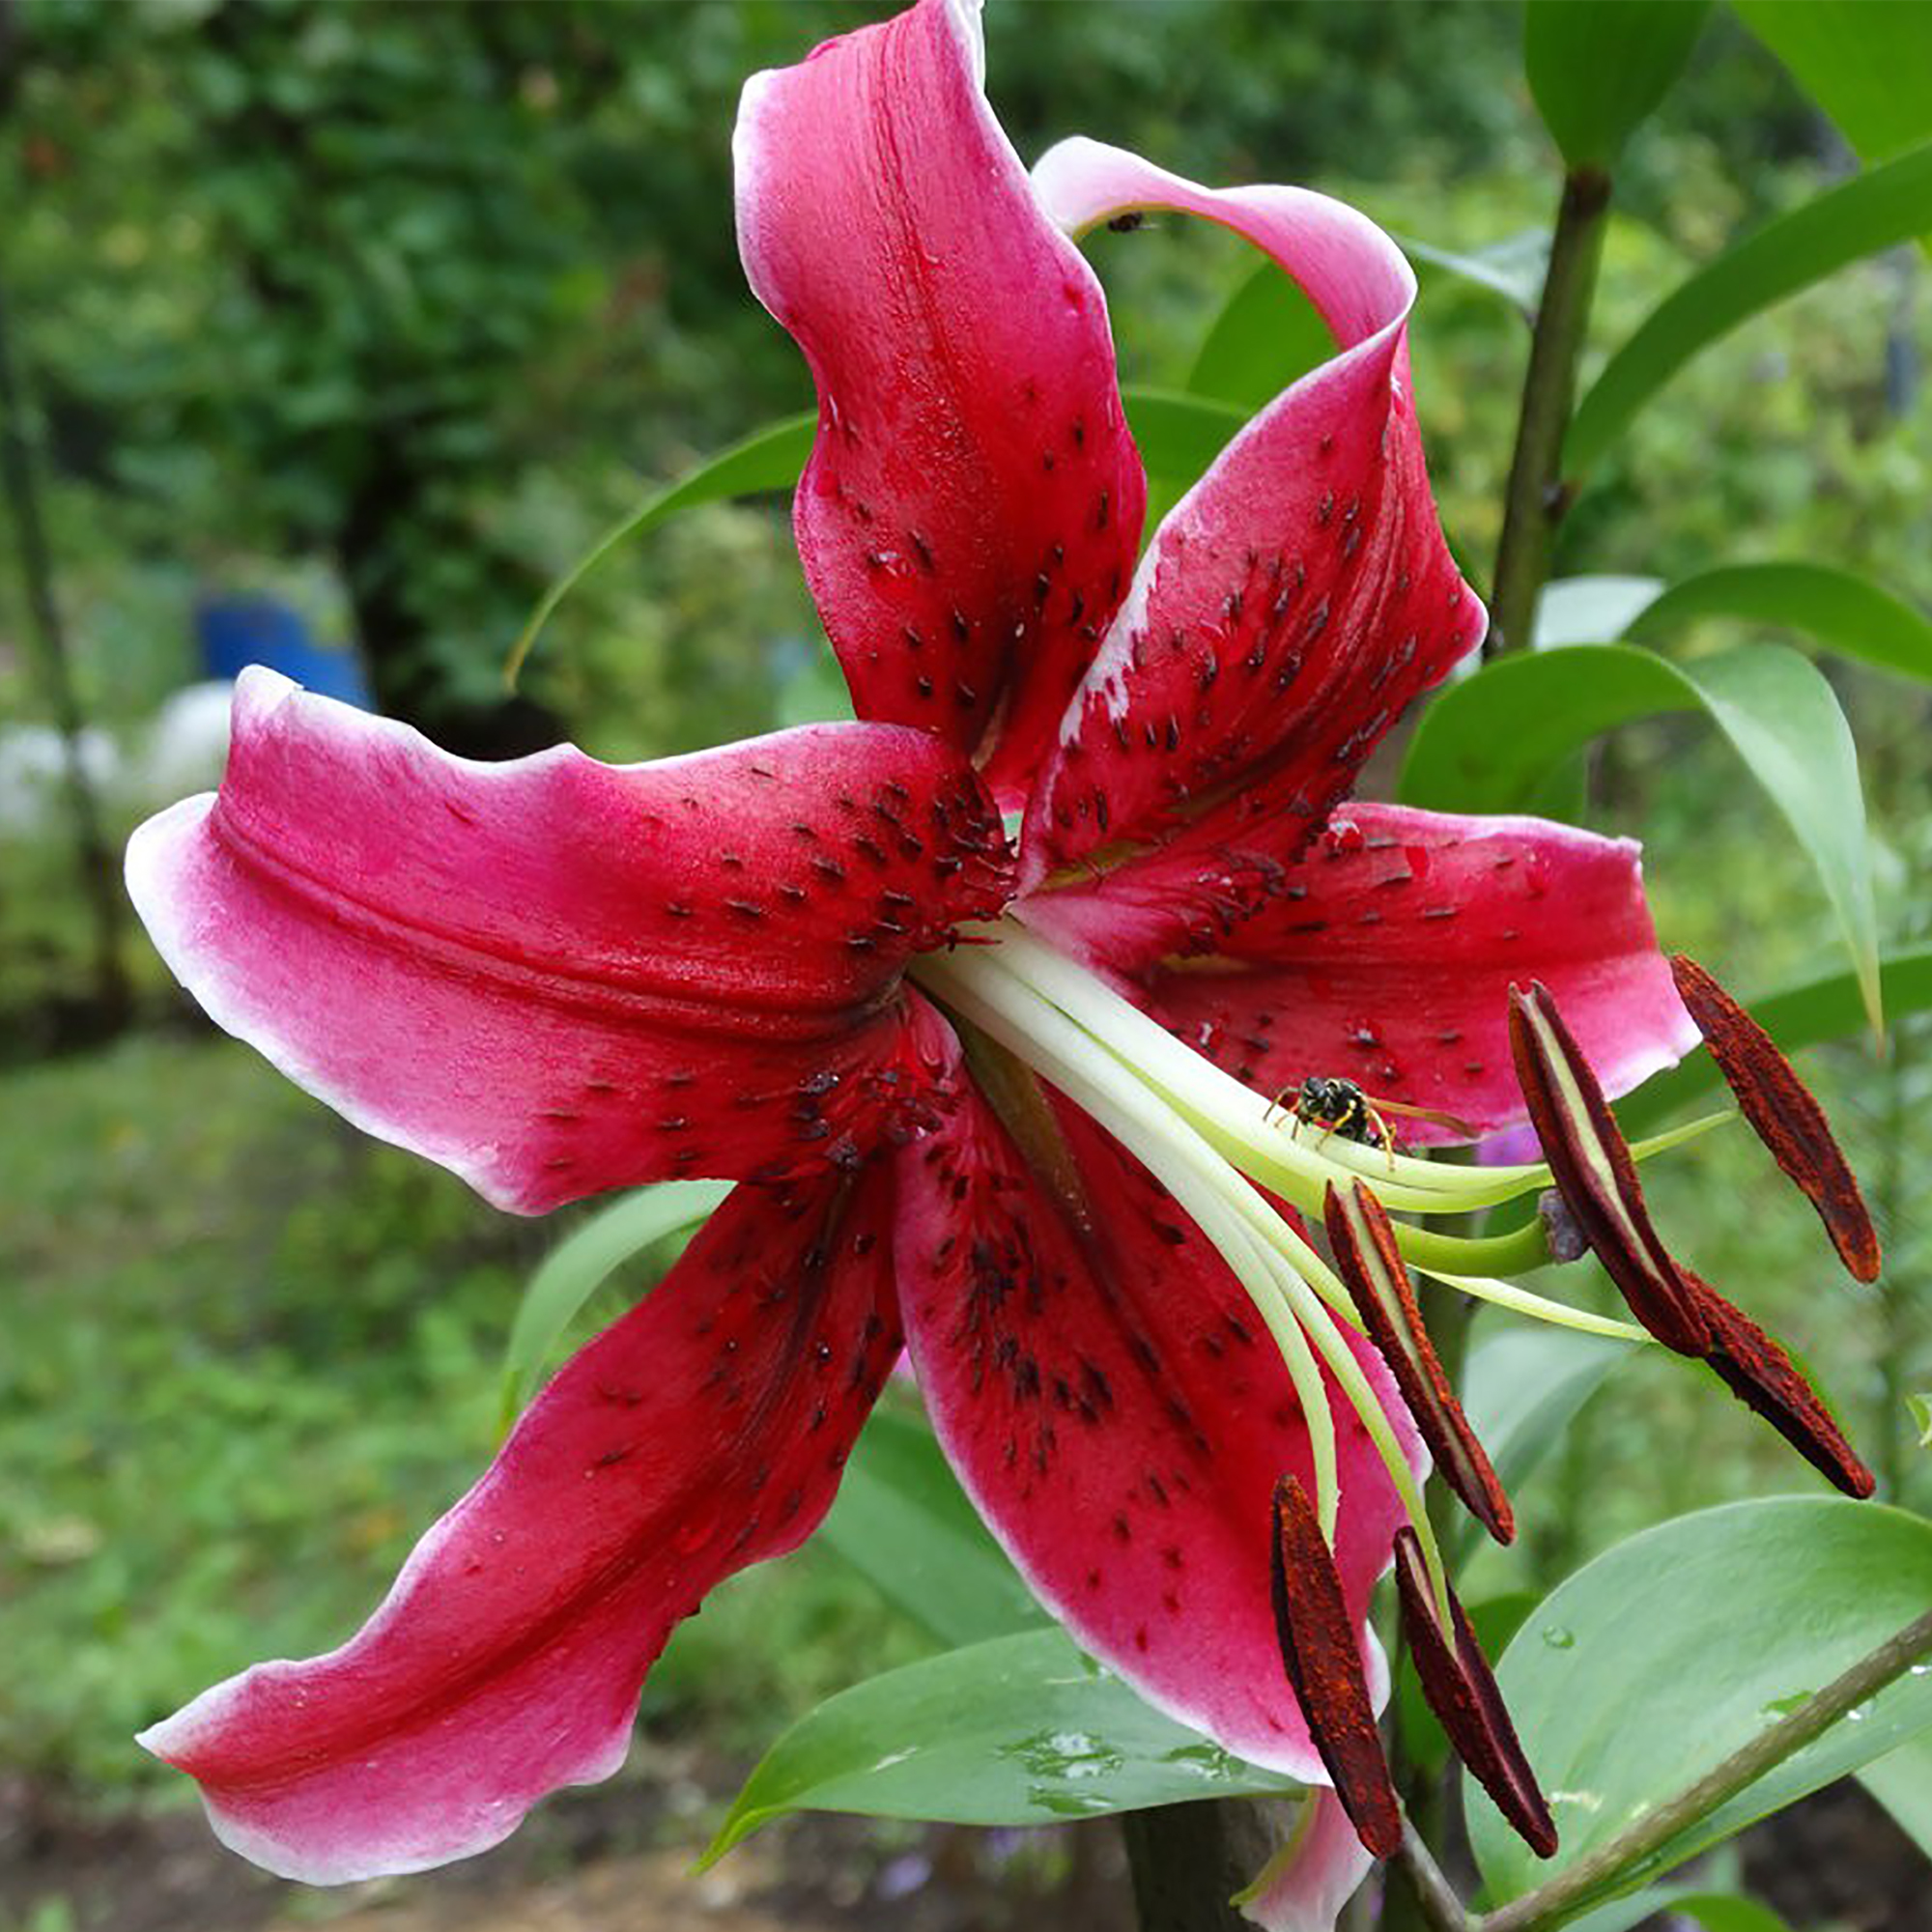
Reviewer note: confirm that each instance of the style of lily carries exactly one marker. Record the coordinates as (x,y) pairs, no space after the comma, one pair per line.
(983,1000)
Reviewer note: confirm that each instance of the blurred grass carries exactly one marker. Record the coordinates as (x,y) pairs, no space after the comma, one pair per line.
(248,1355)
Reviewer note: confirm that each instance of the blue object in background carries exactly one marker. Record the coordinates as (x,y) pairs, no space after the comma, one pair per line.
(235,632)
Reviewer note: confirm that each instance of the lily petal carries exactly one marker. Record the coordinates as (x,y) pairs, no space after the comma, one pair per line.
(1315,1874)
(703,1432)
(556,976)
(1385,955)
(971,512)
(1297,598)
(1119,1415)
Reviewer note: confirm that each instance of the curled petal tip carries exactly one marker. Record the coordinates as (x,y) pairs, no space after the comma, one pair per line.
(1783,1112)
(1763,1376)
(1594,1172)
(1322,1654)
(1462,1690)
(1371,1265)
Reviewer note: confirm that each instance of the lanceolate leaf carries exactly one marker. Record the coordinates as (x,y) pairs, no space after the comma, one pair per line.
(1597,68)
(1866,62)
(1758,1604)
(1513,269)
(1848,612)
(584,1261)
(1178,436)
(1485,745)
(1713,1911)
(768,459)
(1877,209)
(1902,1783)
(1020,1730)
(903,1522)
(1266,335)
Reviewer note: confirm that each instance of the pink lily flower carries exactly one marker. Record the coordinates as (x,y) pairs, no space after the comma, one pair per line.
(993,1095)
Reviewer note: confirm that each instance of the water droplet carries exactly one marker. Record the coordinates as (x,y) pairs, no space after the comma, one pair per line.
(1782,1707)
(1922,1670)
(1064,1754)
(1206,1759)
(1859,1713)
(1559,1638)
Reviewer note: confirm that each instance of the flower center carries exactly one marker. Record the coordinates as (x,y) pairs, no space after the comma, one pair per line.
(1223,1150)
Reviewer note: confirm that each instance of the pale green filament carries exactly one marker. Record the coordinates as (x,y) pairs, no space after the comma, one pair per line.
(1286,1281)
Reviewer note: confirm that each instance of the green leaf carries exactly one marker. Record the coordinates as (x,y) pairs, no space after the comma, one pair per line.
(1597,68)
(1920,1408)
(1587,610)
(584,1261)
(1513,269)
(1673,1649)
(1866,62)
(1179,435)
(1901,1781)
(1487,744)
(1876,209)
(768,459)
(1019,1730)
(1526,1381)
(1714,1912)
(902,1521)
(1838,607)
(1267,333)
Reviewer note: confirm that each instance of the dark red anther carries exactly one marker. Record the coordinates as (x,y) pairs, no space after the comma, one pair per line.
(1371,1265)
(1462,1690)
(1594,1172)
(1322,1654)
(1759,1372)
(1783,1112)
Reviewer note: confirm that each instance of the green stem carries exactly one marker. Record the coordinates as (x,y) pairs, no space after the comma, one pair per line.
(1555,1900)
(1536,498)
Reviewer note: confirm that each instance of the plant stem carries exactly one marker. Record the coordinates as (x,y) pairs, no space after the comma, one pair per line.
(1534,504)
(1189,1861)
(1435,1897)
(1550,1903)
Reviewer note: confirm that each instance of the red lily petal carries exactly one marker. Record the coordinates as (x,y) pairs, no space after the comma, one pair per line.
(1594,1175)
(1462,1690)
(1387,955)
(973,505)
(1763,1377)
(1322,1868)
(1295,599)
(1784,1114)
(555,976)
(1119,1414)
(703,1432)
(1371,1269)
(1324,1663)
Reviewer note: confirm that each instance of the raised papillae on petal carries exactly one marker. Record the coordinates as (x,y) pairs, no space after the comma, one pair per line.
(1462,1690)
(1295,600)
(556,976)
(1594,1172)
(1784,1116)
(1371,1267)
(1385,955)
(1322,1654)
(1119,1414)
(703,1432)
(971,512)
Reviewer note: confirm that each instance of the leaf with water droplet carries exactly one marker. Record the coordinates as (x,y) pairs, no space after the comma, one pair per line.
(1698,1634)
(1008,1732)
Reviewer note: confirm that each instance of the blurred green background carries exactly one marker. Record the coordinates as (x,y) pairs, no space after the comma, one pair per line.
(387,310)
